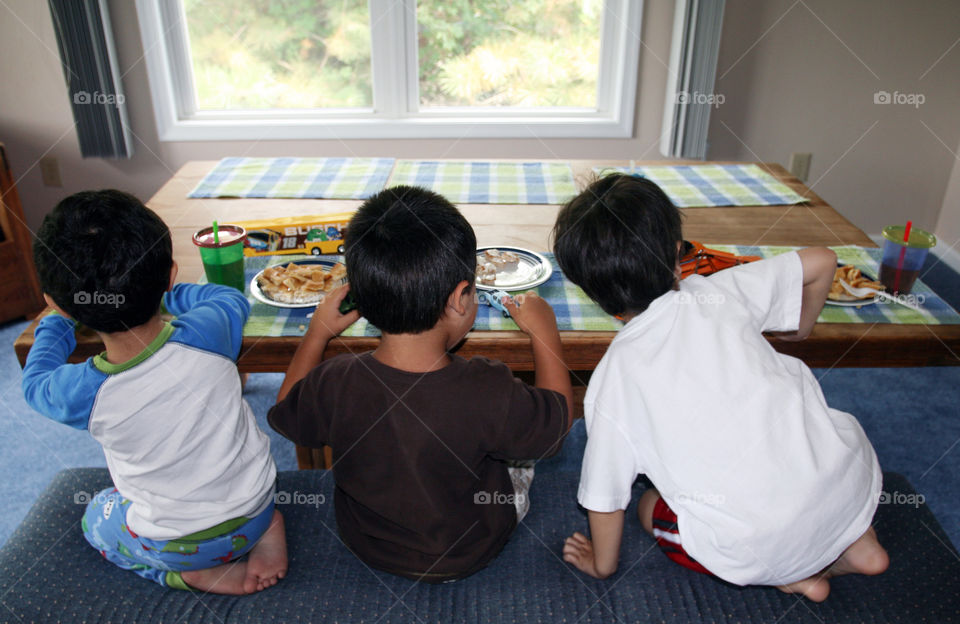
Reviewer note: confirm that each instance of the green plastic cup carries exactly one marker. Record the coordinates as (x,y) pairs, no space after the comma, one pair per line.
(223,258)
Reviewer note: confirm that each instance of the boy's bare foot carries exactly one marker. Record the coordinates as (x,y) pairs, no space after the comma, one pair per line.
(228,578)
(268,560)
(816,588)
(864,556)
(645,509)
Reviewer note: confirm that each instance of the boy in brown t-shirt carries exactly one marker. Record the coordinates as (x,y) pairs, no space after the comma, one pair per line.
(420,436)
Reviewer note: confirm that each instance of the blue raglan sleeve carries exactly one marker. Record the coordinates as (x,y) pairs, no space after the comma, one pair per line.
(62,392)
(209,317)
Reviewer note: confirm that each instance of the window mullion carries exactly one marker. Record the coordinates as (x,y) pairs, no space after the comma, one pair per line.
(411,58)
(390,23)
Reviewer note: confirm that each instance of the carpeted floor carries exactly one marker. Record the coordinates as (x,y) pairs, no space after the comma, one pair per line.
(912,416)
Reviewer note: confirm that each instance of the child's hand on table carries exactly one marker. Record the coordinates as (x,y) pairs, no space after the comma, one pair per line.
(532,314)
(327,321)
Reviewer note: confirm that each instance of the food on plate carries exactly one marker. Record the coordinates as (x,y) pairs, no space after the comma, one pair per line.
(486,272)
(338,272)
(501,260)
(852,276)
(490,262)
(296,283)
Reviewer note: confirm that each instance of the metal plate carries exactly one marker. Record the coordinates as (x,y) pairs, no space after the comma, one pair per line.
(532,270)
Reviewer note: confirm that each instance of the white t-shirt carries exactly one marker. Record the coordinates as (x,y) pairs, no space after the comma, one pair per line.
(181,443)
(769,484)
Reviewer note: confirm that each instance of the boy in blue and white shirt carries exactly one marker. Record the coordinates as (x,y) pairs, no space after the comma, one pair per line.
(193,474)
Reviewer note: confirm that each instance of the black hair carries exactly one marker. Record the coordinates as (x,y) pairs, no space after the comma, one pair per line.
(105,258)
(407,248)
(617,240)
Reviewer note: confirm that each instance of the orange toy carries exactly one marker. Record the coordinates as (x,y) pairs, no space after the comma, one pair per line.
(698,260)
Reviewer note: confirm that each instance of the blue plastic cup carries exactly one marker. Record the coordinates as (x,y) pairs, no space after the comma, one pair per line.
(903,260)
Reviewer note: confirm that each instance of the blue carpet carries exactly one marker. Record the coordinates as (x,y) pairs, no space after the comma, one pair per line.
(910,414)
(526,583)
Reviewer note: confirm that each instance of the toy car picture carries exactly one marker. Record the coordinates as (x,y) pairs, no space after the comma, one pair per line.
(315,235)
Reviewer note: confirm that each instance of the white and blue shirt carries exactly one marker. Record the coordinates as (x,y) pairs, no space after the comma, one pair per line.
(180,441)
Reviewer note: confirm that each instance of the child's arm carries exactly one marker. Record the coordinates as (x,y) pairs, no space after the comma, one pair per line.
(326,323)
(819,266)
(535,318)
(184,297)
(600,555)
(60,391)
(210,316)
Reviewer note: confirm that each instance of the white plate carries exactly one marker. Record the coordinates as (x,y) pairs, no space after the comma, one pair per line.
(532,270)
(259,295)
(856,303)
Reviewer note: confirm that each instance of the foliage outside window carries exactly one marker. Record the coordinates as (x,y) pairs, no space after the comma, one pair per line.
(507,53)
(255,54)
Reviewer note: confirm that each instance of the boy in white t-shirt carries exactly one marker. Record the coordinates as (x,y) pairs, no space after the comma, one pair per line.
(757,480)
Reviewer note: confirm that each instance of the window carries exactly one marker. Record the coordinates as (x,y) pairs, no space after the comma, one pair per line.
(263,55)
(286,69)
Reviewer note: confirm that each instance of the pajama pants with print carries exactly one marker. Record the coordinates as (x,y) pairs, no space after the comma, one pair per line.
(105,528)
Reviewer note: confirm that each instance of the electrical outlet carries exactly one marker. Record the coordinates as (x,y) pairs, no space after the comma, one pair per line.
(50,171)
(800,165)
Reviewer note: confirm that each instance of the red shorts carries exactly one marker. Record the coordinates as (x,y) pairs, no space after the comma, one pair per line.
(668,537)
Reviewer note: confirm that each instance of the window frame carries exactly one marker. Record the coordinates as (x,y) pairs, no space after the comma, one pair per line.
(396,113)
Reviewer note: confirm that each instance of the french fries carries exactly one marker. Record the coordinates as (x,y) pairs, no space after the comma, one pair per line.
(852,276)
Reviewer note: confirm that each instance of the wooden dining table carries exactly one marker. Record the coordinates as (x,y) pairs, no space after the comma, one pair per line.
(811,223)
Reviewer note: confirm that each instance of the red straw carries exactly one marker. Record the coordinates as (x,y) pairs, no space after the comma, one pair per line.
(903,252)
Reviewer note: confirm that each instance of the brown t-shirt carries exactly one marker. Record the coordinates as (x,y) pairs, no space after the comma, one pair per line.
(421,487)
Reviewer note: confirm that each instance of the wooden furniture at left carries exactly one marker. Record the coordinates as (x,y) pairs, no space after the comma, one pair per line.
(20,293)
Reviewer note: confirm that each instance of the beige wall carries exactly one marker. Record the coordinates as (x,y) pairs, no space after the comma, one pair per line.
(35,115)
(798,89)
(793,82)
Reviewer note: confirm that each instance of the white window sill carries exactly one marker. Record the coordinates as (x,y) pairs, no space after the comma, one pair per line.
(575,127)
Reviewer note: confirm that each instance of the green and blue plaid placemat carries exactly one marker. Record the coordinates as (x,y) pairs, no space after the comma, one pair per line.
(310,178)
(933,309)
(485,182)
(715,185)
(576,312)
(573,308)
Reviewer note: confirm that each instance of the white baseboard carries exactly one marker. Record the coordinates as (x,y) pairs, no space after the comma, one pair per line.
(948,255)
